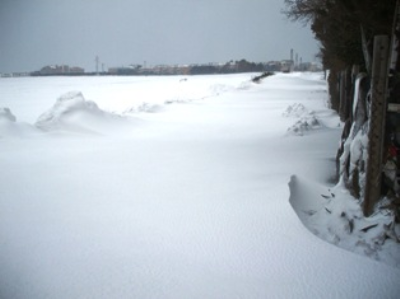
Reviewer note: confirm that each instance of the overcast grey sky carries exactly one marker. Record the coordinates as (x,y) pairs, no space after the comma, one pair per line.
(35,33)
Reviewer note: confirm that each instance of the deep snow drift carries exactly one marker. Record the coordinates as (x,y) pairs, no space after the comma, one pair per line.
(72,112)
(158,187)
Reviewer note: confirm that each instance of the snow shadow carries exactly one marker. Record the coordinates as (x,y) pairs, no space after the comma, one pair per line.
(11,128)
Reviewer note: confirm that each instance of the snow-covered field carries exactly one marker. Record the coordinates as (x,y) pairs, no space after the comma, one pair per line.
(174,187)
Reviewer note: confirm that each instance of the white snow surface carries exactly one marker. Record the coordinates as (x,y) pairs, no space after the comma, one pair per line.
(158,187)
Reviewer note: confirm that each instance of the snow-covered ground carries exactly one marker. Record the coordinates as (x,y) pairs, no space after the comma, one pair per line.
(174,187)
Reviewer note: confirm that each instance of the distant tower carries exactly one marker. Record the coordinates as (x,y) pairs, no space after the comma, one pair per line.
(297,60)
(97,64)
(291,54)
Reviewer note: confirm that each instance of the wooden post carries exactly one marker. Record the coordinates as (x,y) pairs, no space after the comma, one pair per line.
(355,70)
(347,94)
(367,55)
(342,95)
(395,43)
(376,123)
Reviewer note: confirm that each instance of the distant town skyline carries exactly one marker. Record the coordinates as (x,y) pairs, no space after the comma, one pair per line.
(36,33)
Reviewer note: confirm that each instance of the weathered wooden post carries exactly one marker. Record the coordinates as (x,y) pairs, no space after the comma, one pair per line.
(355,70)
(342,97)
(348,95)
(377,123)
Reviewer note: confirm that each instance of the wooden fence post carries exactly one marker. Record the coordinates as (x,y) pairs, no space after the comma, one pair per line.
(342,96)
(377,121)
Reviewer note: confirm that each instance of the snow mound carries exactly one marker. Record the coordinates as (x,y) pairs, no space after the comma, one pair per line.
(9,127)
(72,112)
(307,121)
(246,85)
(295,110)
(217,89)
(150,108)
(146,108)
(177,101)
(336,217)
(304,124)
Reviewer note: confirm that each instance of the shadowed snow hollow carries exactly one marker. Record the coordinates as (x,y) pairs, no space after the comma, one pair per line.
(9,127)
(335,216)
(72,112)
(6,115)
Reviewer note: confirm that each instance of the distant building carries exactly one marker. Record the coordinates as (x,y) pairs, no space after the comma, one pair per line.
(76,70)
(287,66)
(273,66)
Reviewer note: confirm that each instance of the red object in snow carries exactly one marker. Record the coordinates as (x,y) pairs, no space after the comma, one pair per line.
(393,151)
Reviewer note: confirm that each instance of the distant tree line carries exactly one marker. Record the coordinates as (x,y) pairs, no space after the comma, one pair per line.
(59,70)
(239,66)
(345,29)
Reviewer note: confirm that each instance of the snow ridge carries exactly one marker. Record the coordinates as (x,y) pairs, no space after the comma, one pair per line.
(72,112)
